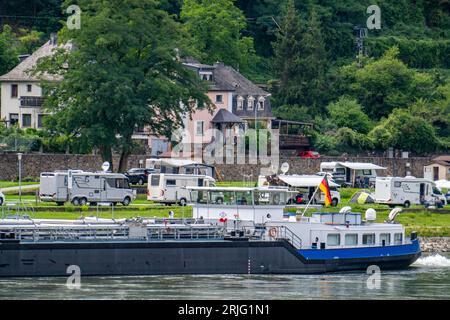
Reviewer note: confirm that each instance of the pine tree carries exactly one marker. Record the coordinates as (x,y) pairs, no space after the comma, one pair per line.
(300,62)
(286,63)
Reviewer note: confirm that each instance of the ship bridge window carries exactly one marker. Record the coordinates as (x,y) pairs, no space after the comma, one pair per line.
(333,239)
(270,198)
(351,239)
(385,239)
(368,239)
(244,198)
(398,238)
(222,197)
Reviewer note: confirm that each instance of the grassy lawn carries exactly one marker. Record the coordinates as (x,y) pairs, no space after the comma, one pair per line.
(6,184)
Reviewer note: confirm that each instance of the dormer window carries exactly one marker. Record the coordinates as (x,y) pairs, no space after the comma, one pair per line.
(251,102)
(261,101)
(240,103)
(206,76)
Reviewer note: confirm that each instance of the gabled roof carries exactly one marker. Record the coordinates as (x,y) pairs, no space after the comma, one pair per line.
(226,78)
(225,116)
(442,160)
(22,71)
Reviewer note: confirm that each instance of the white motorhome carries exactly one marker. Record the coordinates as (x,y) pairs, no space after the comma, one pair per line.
(180,166)
(95,187)
(53,186)
(358,174)
(305,185)
(406,191)
(171,188)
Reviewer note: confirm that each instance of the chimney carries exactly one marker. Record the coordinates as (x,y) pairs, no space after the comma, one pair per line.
(53,39)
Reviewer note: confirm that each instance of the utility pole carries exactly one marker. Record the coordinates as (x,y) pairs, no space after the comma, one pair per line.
(361,33)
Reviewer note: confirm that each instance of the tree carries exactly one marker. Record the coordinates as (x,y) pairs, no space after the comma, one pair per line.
(123,72)
(347,112)
(8,54)
(215,27)
(385,84)
(299,62)
(401,130)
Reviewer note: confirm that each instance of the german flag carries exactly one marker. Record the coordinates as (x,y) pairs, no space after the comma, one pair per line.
(325,188)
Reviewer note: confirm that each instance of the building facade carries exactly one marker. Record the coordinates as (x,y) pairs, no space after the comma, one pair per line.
(21,94)
(438,169)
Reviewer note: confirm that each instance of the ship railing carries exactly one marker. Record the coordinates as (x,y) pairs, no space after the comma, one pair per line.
(186,232)
(284,233)
(94,232)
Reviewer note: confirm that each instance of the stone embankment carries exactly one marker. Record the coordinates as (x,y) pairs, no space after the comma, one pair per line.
(435,244)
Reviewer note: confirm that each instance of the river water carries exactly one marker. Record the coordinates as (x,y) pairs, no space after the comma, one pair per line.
(428,278)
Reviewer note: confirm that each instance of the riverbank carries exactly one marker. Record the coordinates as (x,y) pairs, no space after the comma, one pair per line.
(435,244)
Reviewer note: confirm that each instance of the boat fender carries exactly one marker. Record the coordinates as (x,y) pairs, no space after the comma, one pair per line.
(273,232)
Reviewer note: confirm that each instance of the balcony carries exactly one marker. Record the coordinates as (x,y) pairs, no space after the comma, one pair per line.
(293,134)
(31,102)
(292,141)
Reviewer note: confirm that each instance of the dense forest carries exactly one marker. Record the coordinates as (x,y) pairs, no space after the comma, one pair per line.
(394,92)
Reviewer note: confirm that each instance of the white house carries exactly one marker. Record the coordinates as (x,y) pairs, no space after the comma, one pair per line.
(21,94)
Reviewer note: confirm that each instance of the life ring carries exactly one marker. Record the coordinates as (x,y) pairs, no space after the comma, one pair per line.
(273,232)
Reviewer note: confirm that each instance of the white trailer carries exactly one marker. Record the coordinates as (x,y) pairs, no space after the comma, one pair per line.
(406,191)
(357,174)
(171,188)
(53,187)
(104,187)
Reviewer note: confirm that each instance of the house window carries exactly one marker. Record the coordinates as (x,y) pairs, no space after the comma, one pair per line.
(29,87)
(26,120)
(199,129)
(385,239)
(369,238)
(251,102)
(351,239)
(398,238)
(333,239)
(14,91)
(240,103)
(261,103)
(13,118)
(40,119)
(219,98)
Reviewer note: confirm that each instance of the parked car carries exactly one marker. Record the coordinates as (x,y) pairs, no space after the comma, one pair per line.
(309,154)
(2,198)
(138,175)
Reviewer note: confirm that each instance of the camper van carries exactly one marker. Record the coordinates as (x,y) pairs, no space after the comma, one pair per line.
(305,185)
(180,166)
(95,187)
(53,186)
(406,191)
(346,174)
(171,188)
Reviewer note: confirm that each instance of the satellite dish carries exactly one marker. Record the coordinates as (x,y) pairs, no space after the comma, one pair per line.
(345,209)
(284,167)
(371,214)
(393,214)
(105,166)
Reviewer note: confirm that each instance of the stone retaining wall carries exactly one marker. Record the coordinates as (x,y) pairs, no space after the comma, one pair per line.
(435,244)
(34,164)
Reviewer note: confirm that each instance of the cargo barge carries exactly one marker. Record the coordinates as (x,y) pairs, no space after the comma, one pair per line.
(246,233)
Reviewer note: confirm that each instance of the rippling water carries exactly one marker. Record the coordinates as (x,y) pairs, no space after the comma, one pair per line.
(428,278)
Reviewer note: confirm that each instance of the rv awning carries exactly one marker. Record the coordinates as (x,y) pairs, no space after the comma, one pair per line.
(304,181)
(361,166)
(225,116)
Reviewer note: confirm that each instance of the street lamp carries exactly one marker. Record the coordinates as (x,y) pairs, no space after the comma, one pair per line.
(19,157)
